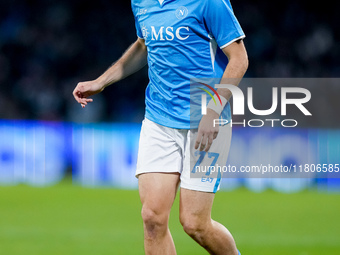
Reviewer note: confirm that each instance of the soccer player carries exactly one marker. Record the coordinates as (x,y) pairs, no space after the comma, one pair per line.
(179,40)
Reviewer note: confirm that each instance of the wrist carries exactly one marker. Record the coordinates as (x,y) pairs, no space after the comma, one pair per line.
(212,114)
(217,105)
(102,82)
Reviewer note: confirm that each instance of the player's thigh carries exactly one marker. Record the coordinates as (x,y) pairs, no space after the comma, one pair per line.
(195,207)
(157,191)
(159,150)
(202,170)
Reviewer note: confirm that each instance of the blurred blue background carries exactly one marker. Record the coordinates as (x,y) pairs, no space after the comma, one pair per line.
(40,153)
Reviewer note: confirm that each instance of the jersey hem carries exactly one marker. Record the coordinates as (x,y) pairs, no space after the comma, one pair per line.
(166,123)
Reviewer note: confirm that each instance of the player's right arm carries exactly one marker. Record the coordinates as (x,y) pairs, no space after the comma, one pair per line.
(132,60)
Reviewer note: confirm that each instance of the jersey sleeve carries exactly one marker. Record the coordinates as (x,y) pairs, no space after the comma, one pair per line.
(138,28)
(221,22)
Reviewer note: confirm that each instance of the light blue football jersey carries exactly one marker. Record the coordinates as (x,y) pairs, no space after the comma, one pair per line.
(184,40)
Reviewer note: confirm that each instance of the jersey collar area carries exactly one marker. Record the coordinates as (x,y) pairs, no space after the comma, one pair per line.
(162,2)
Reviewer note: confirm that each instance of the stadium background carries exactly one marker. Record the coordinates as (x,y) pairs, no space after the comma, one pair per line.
(66,173)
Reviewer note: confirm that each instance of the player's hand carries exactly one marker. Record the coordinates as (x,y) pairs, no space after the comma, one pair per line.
(206,131)
(84,90)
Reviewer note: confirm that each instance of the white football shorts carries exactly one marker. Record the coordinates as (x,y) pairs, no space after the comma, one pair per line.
(169,150)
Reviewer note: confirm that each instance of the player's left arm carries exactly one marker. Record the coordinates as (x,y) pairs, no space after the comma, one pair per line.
(234,72)
(236,68)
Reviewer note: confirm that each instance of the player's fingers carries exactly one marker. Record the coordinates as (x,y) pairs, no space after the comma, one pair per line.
(198,140)
(81,98)
(203,142)
(77,95)
(210,141)
(215,134)
(84,101)
(79,91)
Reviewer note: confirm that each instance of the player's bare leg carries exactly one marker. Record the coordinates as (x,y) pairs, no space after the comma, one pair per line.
(157,193)
(195,216)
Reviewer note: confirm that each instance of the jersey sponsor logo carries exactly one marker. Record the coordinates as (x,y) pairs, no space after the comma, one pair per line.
(207,179)
(145,32)
(169,33)
(181,12)
(142,11)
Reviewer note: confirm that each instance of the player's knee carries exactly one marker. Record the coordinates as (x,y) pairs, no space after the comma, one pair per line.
(154,221)
(193,226)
